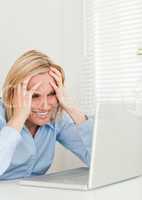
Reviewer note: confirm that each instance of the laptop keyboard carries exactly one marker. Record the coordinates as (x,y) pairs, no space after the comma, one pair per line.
(74,176)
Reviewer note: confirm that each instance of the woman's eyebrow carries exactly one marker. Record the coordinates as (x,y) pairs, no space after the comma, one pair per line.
(47,94)
(37,93)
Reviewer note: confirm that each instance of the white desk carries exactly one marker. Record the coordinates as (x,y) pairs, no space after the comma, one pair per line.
(131,190)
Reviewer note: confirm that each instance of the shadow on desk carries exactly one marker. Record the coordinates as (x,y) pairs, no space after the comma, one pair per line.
(131,189)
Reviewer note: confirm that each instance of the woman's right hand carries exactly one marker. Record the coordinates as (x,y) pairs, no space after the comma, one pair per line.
(22,99)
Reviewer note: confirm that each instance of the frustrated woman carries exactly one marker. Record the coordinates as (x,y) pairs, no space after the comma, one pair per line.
(34,114)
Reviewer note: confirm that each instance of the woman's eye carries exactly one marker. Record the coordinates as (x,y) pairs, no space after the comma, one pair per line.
(35,96)
(51,94)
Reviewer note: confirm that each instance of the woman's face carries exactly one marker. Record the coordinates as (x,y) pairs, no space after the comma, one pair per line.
(44,101)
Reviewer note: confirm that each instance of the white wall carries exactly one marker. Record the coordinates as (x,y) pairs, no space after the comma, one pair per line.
(52,26)
(27,25)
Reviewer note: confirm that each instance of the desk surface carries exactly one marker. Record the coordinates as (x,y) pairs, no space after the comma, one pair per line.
(131,189)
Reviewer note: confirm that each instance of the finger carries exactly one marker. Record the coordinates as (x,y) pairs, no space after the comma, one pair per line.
(56,77)
(19,91)
(53,84)
(34,88)
(15,91)
(56,71)
(26,81)
(23,88)
(15,95)
(24,85)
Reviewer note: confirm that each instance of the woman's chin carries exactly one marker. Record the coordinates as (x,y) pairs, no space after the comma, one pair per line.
(40,120)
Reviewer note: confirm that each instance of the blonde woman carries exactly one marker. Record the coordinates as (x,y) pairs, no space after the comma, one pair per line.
(34,114)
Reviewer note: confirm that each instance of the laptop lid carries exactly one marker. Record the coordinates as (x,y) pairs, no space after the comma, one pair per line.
(116,145)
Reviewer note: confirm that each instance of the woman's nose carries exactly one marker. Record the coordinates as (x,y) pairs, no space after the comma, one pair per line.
(44,104)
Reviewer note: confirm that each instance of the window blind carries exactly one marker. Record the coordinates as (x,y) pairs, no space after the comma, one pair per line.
(87,72)
(112,35)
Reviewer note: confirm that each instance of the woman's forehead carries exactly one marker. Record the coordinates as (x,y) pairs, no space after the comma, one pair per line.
(44,78)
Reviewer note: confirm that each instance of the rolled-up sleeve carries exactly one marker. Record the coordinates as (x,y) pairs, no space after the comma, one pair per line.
(77,138)
(9,138)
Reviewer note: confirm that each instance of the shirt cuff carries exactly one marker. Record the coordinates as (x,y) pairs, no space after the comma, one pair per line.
(86,132)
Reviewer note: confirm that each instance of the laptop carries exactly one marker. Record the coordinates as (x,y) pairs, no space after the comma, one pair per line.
(116,153)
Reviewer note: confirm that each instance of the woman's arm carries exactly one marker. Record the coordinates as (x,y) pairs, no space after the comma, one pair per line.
(9,138)
(64,99)
(75,135)
(77,138)
(77,116)
(10,132)
(16,122)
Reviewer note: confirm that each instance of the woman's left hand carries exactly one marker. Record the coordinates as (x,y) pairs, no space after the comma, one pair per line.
(56,83)
(64,100)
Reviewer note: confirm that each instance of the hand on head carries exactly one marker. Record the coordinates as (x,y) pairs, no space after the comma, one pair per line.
(23,98)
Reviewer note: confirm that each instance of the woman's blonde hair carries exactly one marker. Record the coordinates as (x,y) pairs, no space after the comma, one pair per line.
(32,62)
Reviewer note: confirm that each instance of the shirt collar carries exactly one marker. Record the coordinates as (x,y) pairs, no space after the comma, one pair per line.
(50,124)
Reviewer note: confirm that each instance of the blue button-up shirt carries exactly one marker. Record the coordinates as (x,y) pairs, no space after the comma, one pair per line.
(21,155)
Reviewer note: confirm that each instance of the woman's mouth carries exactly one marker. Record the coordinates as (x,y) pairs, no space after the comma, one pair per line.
(41,114)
